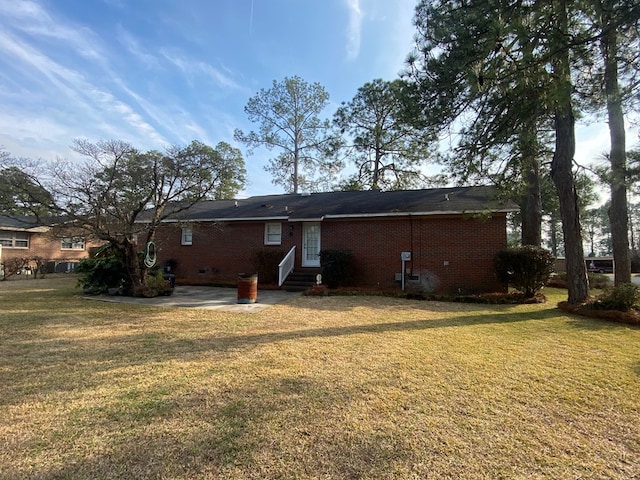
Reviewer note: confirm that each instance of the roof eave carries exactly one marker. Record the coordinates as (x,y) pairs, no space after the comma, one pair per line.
(421,214)
(307,219)
(25,229)
(222,219)
(336,216)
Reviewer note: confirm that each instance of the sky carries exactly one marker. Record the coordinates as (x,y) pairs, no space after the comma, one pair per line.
(157,73)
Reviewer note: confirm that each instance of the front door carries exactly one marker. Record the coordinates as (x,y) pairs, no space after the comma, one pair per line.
(311,245)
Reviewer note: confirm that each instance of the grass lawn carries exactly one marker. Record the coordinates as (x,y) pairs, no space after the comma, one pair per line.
(321,387)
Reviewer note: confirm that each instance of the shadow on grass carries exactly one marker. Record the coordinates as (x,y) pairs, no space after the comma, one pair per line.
(239,430)
(232,341)
(233,428)
(84,359)
(152,346)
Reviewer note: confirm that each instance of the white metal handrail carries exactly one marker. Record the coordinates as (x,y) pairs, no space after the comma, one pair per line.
(285,267)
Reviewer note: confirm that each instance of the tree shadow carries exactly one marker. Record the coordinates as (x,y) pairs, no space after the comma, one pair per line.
(236,431)
(234,341)
(233,423)
(348,302)
(84,360)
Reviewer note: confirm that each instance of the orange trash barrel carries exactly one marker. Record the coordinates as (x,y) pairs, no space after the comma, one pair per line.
(247,287)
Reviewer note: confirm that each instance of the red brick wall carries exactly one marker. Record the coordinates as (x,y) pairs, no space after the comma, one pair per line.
(449,254)
(220,252)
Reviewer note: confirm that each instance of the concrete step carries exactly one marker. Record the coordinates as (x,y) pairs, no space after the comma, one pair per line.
(300,280)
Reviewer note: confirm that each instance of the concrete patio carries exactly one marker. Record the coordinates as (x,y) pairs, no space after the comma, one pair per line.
(210,298)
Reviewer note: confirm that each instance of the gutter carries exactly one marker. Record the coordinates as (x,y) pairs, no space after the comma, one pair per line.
(336,216)
(415,214)
(308,219)
(232,219)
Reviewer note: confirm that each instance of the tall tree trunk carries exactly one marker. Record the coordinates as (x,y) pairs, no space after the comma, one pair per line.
(632,238)
(561,166)
(376,169)
(618,213)
(528,139)
(135,273)
(553,223)
(532,206)
(296,162)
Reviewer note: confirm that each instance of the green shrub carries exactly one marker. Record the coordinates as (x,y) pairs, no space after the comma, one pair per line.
(527,269)
(265,264)
(98,274)
(337,267)
(596,280)
(156,284)
(623,297)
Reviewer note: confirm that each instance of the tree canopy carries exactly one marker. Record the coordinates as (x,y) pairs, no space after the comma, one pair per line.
(120,195)
(288,115)
(20,194)
(501,74)
(478,78)
(387,151)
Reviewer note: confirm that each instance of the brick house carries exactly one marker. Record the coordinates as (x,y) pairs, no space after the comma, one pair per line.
(449,236)
(25,242)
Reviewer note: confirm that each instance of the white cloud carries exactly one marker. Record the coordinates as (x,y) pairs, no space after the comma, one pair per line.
(129,42)
(77,103)
(25,127)
(167,115)
(70,99)
(29,17)
(354,30)
(38,67)
(191,67)
(24,10)
(132,120)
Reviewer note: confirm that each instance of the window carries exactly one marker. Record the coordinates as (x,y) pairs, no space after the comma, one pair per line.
(272,233)
(187,236)
(72,243)
(14,239)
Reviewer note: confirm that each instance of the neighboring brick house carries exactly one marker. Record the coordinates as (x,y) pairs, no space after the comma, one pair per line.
(451,234)
(26,242)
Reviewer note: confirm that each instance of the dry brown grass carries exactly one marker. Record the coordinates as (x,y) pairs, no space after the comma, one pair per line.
(321,387)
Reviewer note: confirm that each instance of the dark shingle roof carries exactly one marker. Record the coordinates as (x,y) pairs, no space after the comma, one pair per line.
(317,206)
(20,222)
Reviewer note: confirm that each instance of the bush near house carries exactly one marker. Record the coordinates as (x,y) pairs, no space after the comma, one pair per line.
(265,263)
(156,284)
(527,268)
(596,280)
(101,272)
(623,297)
(13,266)
(337,267)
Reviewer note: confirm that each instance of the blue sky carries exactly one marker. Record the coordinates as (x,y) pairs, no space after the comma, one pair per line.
(160,72)
(157,72)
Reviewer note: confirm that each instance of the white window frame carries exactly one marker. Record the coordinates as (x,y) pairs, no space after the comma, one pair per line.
(186,236)
(273,233)
(10,239)
(73,243)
